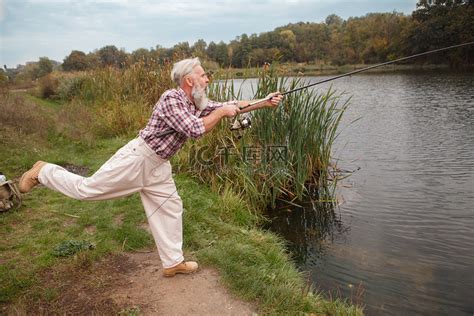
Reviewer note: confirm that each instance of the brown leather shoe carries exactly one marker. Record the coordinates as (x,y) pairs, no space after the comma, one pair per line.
(30,178)
(184,267)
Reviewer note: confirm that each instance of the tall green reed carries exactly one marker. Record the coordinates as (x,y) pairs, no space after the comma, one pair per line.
(306,124)
(287,152)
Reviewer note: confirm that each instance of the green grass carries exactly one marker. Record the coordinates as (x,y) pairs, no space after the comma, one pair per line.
(220,229)
(54,104)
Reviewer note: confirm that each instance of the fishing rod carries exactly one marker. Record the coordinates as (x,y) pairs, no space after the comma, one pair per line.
(244,122)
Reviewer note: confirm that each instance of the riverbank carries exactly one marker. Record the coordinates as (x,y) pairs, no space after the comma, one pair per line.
(219,230)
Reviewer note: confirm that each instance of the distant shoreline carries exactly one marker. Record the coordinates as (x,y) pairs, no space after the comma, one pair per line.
(305,70)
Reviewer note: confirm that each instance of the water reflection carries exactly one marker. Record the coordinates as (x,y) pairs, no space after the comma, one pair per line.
(309,229)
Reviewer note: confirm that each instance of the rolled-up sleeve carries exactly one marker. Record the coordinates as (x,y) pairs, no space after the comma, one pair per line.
(176,115)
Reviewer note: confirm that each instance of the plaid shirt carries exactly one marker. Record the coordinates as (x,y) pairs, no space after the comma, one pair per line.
(174,110)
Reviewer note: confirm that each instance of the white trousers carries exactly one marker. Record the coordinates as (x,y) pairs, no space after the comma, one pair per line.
(133,168)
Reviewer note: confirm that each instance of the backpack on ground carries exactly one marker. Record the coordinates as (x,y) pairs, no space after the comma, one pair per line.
(10,196)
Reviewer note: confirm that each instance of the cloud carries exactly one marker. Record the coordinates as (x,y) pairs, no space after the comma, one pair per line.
(2,10)
(56,27)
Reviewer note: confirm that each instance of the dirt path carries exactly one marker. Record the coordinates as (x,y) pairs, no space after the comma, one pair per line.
(131,284)
(197,294)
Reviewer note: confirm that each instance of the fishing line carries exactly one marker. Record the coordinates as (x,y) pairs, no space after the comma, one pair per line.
(376,66)
(169,196)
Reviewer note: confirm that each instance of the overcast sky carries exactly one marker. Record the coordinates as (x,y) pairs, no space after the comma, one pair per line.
(30,29)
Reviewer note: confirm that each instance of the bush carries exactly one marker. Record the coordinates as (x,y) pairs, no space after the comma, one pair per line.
(3,78)
(110,102)
(48,86)
(70,87)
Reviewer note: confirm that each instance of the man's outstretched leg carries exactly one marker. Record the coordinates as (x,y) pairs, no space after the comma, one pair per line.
(120,176)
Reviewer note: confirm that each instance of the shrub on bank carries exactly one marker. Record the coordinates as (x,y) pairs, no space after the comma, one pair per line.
(70,86)
(48,86)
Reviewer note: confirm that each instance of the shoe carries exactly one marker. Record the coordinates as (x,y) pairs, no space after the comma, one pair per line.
(30,178)
(184,267)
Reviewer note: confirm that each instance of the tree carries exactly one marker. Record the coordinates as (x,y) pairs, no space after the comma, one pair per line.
(45,66)
(334,19)
(162,54)
(257,57)
(182,49)
(111,56)
(141,55)
(199,48)
(442,23)
(211,51)
(93,60)
(241,47)
(289,40)
(76,61)
(222,54)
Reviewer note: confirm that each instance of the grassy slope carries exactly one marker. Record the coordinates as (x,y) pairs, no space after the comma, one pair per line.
(219,230)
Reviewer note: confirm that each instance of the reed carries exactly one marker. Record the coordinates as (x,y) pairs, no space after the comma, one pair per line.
(307,125)
(287,152)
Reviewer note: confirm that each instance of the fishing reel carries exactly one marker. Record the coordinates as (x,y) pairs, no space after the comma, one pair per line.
(242,122)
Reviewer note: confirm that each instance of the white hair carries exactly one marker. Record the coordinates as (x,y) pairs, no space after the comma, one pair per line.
(183,68)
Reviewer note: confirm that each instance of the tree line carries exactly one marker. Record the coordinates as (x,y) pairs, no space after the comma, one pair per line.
(373,38)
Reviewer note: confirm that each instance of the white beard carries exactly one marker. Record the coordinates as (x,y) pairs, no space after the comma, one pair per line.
(200,97)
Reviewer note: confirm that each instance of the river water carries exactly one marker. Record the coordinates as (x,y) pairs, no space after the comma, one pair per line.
(402,241)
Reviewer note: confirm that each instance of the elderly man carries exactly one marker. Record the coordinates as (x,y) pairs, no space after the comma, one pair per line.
(143,164)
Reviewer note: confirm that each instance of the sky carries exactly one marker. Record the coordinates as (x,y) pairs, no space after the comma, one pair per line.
(30,29)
